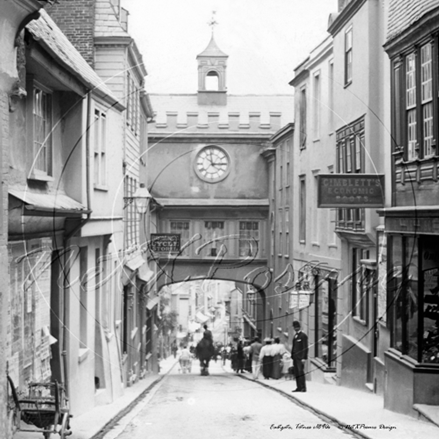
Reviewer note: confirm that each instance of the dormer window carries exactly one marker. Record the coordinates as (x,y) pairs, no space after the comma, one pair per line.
(212,81)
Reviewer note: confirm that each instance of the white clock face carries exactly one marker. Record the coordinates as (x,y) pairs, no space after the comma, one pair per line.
(212,164)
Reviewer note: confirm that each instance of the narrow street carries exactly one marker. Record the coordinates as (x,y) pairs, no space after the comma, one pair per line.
(220,405)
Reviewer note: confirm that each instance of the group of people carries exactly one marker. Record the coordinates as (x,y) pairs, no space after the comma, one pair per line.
(272,358)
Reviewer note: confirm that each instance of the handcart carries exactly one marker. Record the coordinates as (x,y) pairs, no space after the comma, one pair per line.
(45,409)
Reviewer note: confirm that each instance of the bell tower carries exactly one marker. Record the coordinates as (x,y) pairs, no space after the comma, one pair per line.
(212,73)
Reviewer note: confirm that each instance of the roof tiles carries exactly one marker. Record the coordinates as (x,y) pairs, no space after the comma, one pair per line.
(404,13)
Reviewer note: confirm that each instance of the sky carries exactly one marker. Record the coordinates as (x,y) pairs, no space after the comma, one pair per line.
(265,40)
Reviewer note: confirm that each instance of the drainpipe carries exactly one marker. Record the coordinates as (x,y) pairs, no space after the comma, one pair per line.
(67,236)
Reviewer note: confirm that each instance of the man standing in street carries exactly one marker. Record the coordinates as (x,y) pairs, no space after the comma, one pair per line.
(300,349)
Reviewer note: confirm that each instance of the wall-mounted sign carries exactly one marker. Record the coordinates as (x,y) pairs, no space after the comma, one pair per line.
(351,190)
(299,299)
(165,242)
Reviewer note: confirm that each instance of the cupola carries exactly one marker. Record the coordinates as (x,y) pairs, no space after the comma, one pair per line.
(212,73)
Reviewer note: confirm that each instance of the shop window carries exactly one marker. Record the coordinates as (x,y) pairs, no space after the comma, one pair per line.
(413,290)
(325,320)
(361,284)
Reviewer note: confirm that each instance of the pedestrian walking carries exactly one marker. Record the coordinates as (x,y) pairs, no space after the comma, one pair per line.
(266,358)
(255,352)
(224,355)
(247,356)
(300,349)
(174,349)
(278,349)
(240,357)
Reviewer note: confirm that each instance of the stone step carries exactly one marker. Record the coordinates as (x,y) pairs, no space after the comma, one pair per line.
(427,412)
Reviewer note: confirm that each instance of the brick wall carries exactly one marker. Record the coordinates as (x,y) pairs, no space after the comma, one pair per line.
(76,18)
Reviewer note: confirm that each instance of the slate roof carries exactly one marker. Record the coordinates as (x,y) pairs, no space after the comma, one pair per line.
(404,13)
(106,21)
(50,35)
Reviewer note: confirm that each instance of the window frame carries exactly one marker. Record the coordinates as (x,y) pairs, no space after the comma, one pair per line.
(37,173)
(250,235)
(303,118)
(417,140)
(350,155)
(317,86)
(348,56)
(218,243)
(183,239)
(302,211)
(99,149)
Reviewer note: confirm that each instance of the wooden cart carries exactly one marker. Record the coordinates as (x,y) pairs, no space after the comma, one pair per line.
(45,409)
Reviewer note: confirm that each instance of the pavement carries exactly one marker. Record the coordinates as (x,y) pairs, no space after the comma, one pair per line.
(93,422)
(360,412)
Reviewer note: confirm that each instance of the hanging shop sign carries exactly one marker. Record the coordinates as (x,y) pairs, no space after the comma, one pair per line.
(351,190)
(165,242)
(299,299)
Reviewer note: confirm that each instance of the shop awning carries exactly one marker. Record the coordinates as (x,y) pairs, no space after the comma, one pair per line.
(251,323)
(135,262)
(41,204)
(145,273)
(201,317)
(152,302)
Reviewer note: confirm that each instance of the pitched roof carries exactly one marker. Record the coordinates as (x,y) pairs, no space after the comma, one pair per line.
(212,49)
(404,13)
(107,22)
(52,38)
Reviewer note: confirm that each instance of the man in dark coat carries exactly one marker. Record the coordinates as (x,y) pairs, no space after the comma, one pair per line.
(300,349)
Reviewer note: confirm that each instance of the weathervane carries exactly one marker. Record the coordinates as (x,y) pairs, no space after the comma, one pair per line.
(212,23)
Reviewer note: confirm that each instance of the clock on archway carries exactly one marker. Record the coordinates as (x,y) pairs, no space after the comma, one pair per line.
(212,164)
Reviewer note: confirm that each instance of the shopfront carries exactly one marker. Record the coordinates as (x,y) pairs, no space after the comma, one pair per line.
(411,362)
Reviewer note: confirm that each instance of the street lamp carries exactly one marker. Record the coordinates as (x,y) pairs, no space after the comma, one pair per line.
(141,199)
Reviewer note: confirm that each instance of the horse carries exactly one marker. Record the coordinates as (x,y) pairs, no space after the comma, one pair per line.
(205,350)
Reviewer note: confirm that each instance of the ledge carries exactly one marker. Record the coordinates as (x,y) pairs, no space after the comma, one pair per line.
(83,354)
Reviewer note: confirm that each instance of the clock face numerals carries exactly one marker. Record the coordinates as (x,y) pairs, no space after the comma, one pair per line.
(212,164)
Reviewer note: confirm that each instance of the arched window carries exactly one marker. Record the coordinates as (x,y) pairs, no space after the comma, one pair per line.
(212,81)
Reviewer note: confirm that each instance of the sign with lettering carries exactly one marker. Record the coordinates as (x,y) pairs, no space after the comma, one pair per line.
(165,242)
(351,190)
(415,224)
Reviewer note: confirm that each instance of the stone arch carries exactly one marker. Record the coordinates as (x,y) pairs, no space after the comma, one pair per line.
(212,81)
(242,272)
